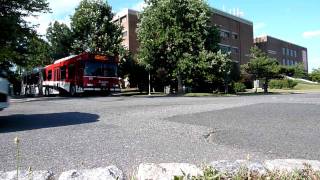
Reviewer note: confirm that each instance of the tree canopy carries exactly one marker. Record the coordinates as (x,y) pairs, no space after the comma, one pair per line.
(262,67)
(38,53)
(60,39)
(93,30)
(315,75)
(172,35)
(15,32)
(296,71)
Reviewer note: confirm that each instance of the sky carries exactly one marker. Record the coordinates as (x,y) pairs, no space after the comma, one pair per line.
(296,21)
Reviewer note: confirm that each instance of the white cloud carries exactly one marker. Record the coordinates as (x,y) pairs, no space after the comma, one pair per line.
(311,34)
(61,11)
(259,26)
(139,6)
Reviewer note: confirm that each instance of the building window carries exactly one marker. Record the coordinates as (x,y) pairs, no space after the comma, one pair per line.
(124,34)
(288,52)
(235,50)
(123,19)
(284,51)
(283,61)
(224,34)
(225,48)
(272,52)
(234,36)
(295,53)
(288,62)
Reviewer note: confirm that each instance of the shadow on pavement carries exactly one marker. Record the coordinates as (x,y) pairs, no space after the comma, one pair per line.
(22,122)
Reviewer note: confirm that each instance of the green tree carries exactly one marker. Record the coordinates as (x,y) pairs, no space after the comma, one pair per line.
(262,67)
(37,50)
(60,39)
(220,69)
(129,67)
(173,34)
(299,71)
(15,31)
(315,75)
(93,30)
(296,71)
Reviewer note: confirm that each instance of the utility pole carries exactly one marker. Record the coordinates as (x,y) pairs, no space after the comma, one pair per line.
(149,84)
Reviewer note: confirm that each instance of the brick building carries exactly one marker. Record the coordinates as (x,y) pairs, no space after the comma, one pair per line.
(286,53)
(236,33)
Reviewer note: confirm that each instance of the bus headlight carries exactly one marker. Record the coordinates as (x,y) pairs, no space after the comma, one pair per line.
(116,85)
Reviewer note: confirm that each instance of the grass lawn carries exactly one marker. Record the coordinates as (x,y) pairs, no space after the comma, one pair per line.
(305,86)
(207,95)
(300,88)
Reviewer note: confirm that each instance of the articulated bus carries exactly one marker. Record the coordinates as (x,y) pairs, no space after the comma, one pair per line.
(75,74)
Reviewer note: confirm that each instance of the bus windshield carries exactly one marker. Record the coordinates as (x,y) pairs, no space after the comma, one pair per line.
(96,68)
(3,74)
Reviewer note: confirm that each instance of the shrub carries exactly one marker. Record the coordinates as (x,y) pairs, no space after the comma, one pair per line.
(282,84)
(315,75)
(239,87)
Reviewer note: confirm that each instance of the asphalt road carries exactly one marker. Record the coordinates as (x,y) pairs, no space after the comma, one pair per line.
(60,134)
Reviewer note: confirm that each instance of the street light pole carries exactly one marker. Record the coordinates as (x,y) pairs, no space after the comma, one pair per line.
(149,84)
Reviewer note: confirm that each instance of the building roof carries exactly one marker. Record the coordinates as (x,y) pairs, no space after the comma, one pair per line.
(214,10)
(266,37)
(236,18)
(124,12)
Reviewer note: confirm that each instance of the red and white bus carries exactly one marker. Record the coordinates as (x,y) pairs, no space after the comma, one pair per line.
(80,73)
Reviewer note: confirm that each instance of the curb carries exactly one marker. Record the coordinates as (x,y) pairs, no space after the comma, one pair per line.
(169,171)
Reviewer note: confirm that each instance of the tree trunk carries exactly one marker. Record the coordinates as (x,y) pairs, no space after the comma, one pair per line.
(265,86)
(226,88)
(180,87)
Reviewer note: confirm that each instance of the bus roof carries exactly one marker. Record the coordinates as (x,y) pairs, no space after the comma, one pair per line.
(64,59)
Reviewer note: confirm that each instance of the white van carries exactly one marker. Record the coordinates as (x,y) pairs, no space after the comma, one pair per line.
(4,91)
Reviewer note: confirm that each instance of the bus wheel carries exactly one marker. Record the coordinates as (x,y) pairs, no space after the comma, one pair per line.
(73,90)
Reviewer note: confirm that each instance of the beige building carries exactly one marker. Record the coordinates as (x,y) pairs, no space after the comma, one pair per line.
(128,19)
(286,53)
(236,33)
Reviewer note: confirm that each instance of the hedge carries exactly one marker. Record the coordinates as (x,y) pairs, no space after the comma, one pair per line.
(282,84)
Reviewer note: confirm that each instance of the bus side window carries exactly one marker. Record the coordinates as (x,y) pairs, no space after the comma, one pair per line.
(50,75)
(44,75)
(63,72)
(56,74)
(71,71)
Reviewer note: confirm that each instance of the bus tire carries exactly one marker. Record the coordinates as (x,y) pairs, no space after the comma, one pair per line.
(73,91)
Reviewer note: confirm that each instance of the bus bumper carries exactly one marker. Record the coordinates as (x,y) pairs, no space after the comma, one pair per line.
(102,89)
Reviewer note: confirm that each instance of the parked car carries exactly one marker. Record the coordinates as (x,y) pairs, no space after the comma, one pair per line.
(4,90)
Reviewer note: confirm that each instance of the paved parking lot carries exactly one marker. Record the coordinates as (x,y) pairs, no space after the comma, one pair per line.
(64,133)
